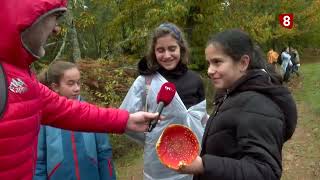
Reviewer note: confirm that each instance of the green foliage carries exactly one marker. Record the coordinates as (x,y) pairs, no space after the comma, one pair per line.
(121,144)
(111,28)
(105,82)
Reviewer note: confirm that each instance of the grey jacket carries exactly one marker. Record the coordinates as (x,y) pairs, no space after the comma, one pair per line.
(175,113)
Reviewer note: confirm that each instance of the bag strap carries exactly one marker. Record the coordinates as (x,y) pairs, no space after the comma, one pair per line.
(3,91)
(148,80)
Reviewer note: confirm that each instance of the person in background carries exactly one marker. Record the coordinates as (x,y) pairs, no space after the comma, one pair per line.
(25,28)
(295,59)
(69,155)
(272,56)
(165,61)
(286,64)
(253,118)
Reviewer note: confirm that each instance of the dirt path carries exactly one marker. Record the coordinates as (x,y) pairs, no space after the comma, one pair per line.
(301,155)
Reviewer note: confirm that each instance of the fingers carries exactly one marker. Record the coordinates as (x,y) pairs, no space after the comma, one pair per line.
(151,119)
(151,115)
(147,117)
(139,121)
(181,166)
(161,117)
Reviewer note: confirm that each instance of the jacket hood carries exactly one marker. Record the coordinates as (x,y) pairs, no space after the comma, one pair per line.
(260,81)
(143,67)
(18,15)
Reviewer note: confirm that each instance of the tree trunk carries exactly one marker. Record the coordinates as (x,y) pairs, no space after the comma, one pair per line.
(76,52)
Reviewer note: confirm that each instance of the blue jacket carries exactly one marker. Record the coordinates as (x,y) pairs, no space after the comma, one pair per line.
(71,155)
(286,60)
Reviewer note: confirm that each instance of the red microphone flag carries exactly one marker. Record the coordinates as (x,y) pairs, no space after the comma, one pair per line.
(166,93)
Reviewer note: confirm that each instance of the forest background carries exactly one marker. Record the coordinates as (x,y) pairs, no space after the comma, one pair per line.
(108,37)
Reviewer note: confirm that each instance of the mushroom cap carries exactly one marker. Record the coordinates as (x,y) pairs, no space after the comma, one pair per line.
(177,146)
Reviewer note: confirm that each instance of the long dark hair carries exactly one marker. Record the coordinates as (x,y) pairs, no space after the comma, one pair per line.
(161,31)
(236,43)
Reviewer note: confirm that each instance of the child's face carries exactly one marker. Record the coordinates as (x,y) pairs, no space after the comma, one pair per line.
(222,69)
(69,85)
(167,52)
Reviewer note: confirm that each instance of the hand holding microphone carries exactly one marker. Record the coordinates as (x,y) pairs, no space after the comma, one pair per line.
(164,97)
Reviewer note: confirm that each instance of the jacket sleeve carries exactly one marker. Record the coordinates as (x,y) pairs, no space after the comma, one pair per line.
(228,169)
(60,112)
(104,151)
(260,139)
(135,101)
(41,166)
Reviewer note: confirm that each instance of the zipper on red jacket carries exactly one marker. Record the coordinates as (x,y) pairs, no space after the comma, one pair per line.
(75,157)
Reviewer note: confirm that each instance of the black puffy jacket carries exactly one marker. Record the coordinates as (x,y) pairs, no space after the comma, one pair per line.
(243,138)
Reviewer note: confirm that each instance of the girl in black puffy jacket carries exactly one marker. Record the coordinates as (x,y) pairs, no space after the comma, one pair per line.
(254,115)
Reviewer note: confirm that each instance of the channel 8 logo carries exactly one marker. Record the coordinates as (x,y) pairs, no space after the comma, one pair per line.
(286,20)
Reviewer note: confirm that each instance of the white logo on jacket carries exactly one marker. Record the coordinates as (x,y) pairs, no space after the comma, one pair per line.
(18,86)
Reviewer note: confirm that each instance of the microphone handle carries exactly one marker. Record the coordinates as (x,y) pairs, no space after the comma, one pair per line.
(153,123)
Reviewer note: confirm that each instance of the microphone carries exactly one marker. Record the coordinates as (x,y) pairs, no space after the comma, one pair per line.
(164,97)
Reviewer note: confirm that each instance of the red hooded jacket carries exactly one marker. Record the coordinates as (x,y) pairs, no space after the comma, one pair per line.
(31,103)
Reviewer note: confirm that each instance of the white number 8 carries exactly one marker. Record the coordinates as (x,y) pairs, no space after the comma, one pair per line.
(286,21)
